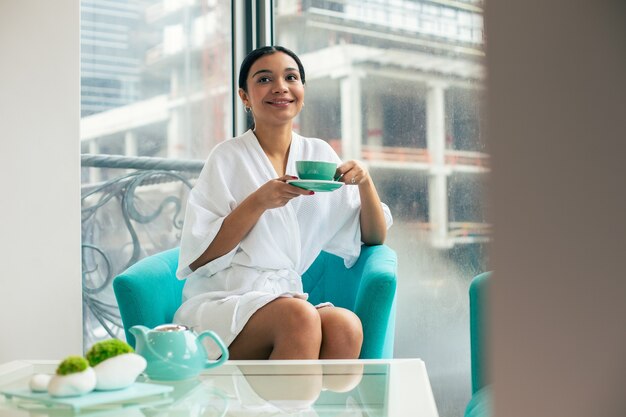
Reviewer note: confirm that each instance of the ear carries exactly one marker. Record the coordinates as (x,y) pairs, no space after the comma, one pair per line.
(244,97)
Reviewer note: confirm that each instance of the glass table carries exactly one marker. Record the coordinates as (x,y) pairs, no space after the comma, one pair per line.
(394,388)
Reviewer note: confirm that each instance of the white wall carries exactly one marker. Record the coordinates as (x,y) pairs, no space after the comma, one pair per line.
(40,284)
(557,111)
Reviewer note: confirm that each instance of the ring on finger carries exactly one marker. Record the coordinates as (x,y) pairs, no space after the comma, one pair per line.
(353,180)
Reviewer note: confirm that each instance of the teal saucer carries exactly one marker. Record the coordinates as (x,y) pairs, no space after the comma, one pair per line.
(316,185)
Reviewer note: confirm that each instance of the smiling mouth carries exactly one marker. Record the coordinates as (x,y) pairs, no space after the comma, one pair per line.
(280,102)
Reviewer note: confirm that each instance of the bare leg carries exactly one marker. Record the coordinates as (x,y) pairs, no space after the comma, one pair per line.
(286,328)
(342,333)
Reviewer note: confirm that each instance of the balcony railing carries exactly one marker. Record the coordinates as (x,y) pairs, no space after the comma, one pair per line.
(405,154)
(138,211)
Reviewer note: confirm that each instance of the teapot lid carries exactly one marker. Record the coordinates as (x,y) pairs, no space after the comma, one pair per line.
(171,328)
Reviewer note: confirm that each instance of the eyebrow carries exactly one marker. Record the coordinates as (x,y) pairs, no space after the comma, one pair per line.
(266,70)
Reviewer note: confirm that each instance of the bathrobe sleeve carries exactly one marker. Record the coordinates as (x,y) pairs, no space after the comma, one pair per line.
(346,243)
(210,201)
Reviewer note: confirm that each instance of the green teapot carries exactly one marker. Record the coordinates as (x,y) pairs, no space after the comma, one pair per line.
(174,351)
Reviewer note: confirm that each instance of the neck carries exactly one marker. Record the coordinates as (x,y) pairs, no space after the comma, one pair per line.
(275,140)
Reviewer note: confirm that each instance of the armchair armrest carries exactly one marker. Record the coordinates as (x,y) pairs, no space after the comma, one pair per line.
(375,300)
(148,292)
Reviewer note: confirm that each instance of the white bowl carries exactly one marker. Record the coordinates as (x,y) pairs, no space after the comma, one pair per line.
(119,371)
(71,385)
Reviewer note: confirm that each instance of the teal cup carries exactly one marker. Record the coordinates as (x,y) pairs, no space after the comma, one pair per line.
(316,170)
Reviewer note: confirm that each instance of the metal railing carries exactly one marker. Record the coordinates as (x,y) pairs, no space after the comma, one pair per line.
(137,212)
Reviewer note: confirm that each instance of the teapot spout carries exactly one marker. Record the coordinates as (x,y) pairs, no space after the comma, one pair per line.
(139,332)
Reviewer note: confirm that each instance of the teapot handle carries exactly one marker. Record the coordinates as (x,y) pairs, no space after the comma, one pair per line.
(218,341)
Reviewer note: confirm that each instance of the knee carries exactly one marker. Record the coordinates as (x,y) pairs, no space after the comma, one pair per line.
(301,319)
(351,328)
(344,331)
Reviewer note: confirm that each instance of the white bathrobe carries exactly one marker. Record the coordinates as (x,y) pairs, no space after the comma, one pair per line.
(268,263)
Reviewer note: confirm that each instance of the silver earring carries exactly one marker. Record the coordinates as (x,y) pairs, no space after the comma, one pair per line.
(246,109)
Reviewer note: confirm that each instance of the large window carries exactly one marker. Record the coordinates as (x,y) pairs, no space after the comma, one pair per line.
(155,77)
(155,82)
(399,85)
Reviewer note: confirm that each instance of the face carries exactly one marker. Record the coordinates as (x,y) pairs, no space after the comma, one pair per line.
(275,90)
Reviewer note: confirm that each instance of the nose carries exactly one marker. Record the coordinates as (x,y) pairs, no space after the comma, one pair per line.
(280,86)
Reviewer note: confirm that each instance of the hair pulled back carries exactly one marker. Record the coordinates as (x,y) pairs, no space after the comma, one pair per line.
(253,56)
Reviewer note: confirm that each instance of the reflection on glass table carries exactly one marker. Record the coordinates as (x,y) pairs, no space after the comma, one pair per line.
(394,388)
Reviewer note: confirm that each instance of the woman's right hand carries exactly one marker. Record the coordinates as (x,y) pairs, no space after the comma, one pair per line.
(276,193)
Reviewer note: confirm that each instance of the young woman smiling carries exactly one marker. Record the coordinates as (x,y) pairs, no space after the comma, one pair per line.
(249,235)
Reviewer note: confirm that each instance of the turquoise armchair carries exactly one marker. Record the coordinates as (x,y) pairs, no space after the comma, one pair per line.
(480,403)
(148,292)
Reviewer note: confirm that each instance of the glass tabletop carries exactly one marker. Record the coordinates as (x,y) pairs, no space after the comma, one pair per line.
(394,388)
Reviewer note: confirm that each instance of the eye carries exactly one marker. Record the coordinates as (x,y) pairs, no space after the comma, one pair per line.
(292,77)
(263,79)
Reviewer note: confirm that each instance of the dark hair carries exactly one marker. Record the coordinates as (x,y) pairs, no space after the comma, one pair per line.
(258,53)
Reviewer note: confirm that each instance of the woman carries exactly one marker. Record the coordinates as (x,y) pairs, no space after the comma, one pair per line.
(249,235)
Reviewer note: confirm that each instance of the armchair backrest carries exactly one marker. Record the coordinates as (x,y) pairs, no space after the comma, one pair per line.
(149,293)
(478,297)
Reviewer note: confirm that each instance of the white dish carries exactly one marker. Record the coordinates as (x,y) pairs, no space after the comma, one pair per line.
(94,398)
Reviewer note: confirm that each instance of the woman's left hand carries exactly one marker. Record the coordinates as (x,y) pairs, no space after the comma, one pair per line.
(352,173)
(372,216)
